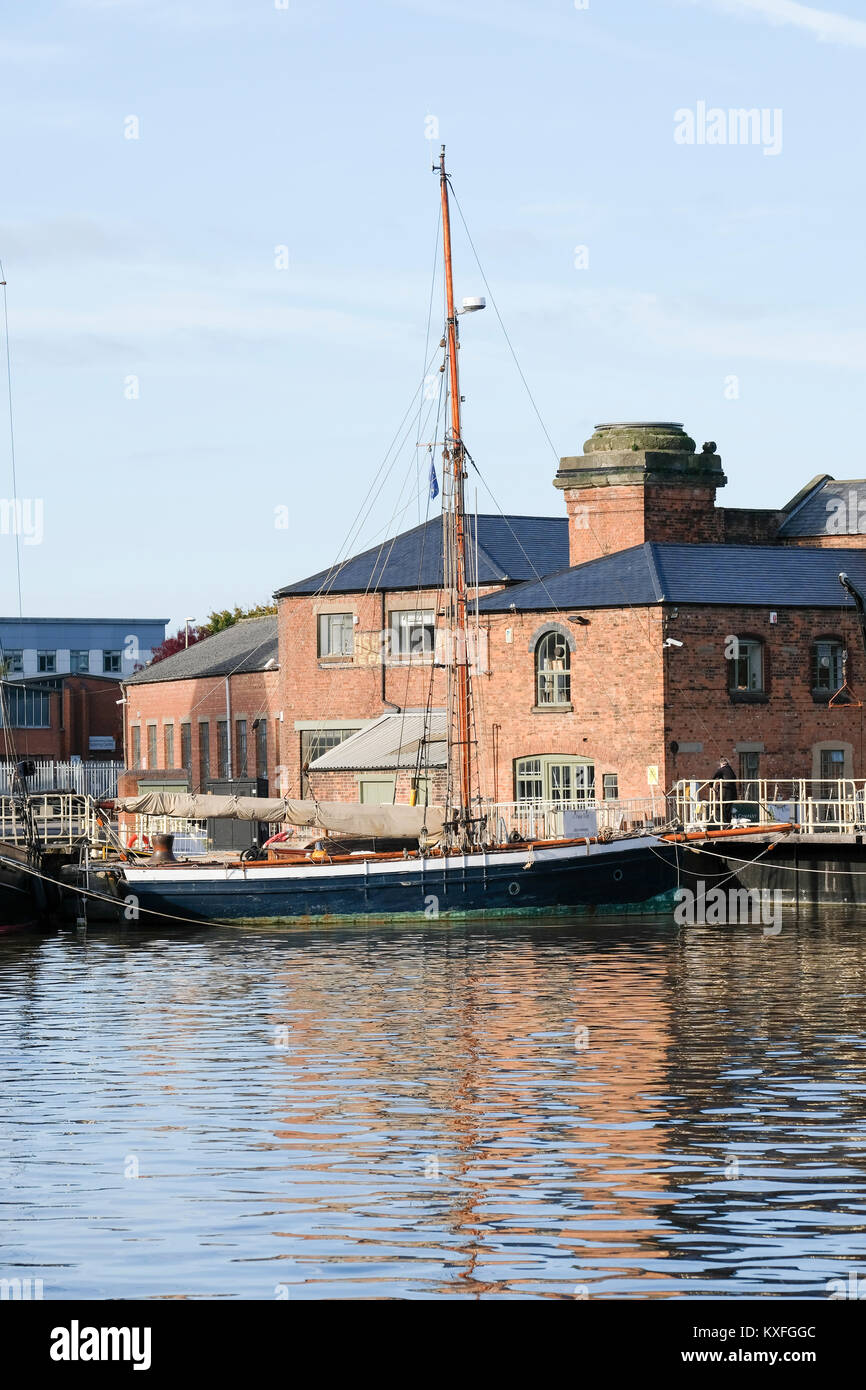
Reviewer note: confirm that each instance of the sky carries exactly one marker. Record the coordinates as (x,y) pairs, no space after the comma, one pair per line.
(218,222)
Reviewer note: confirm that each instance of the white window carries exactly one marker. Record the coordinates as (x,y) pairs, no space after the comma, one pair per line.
(79,662)
(46,662)
(413,632)
(827,674)
(111,662)
(336,634)
(13,661)
(554,778)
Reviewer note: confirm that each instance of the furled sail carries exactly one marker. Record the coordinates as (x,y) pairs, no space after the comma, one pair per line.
(339,817)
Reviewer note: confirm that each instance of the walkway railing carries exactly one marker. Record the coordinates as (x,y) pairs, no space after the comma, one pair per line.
(551,820)
(815,804)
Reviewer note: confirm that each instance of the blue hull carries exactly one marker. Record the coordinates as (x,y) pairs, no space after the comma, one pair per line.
(624,876)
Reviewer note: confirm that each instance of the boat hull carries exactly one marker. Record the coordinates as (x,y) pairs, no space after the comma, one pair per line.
(619,876)
(19,910)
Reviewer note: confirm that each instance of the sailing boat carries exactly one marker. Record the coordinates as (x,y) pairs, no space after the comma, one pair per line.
(453,872)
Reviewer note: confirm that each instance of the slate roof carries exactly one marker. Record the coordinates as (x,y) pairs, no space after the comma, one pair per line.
(389,743)
(831,507)
(247,645)
(750,575)
(510,549)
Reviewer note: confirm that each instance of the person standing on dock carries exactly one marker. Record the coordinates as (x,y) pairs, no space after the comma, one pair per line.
(725,775)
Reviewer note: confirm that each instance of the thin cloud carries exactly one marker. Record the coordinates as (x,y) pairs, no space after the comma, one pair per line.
(824,25)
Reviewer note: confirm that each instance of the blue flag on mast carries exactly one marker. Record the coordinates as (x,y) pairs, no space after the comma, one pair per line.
(434,481)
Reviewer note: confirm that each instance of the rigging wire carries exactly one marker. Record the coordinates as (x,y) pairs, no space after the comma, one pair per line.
(16,521)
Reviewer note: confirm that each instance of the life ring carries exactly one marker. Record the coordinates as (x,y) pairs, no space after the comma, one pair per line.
(278,838)
(133,840)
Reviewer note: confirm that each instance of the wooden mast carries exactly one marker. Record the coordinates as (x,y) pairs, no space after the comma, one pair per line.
(454,458)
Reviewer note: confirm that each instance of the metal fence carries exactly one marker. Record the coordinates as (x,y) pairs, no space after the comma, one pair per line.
(814,804)
(97,779)
(550,820)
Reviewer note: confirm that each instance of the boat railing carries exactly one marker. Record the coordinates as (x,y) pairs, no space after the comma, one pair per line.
(815,804)
(555,820)
(63,820)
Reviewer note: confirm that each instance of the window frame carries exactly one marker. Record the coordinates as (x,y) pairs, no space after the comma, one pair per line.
(547,763)
(560,677)
(45,656)
(324,647)
(75,666)
(758,694)
(109,656)
(399,628)
(826,692)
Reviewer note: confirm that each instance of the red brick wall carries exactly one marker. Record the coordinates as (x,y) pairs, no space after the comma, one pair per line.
(82,707)
(343,786)
(790,723)
(606,519)
(253,696)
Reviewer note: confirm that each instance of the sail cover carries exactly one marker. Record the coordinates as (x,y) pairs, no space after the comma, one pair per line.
(339,817)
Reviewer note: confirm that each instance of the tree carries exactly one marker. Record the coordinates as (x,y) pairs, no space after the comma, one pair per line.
(178,643)
(227,617)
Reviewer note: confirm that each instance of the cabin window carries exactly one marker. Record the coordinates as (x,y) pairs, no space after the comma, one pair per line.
(827,659)
(241,747)
(336,634)
(79,663)
(554,778)
(13,662)
(185,747)
(151,746)
(747,666)
(168,744)
(610,786)
(413,632)
(46,662)
(111,663)
(552,670)
(136,746)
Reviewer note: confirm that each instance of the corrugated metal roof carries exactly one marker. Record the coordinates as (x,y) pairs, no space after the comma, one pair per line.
(750,575)
(834,508)
(510,549)
(247,645)
(392,742)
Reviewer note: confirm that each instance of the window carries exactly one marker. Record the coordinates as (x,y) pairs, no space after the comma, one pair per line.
(151,746)
(168,742)
(136,746)
(13,662)
(185,747)
(554,778)
(262,748)
(223,768)
(750,771)
(610,786)
(336,634)
(241,747)
(315,742)
(747,667)
(552,670)
(827,660)
(28,709)
(79,663)
(111,663)
(203,752)
(413,632)
(46,662)
(528,780)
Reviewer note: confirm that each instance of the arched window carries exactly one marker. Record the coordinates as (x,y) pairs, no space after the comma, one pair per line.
(552,670)
(827,654)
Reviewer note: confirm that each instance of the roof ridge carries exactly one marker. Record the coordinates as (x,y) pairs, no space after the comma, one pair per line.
(653,566)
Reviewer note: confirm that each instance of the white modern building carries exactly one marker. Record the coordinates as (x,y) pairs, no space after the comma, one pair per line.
(78,646)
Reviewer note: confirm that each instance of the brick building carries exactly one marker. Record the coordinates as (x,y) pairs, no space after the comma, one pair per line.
(63,717)
(209,713)
(651,633)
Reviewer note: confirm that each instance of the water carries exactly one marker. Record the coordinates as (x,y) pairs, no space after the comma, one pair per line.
(628,1109)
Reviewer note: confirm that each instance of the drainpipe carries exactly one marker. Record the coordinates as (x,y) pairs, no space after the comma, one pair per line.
(229,728)
(384,648)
